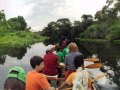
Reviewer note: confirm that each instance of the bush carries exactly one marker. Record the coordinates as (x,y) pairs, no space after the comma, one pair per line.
(93,32)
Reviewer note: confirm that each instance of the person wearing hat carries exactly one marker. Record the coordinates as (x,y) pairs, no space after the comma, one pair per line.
(50,62)
(15,79)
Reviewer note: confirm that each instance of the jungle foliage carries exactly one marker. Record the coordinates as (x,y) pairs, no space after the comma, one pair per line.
(104,25)
(14,32)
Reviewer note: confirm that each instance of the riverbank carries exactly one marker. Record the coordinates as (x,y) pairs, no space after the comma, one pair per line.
(93,40)
(98,41)
(22,38)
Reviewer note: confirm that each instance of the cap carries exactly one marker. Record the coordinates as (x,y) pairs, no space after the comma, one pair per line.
(50,47)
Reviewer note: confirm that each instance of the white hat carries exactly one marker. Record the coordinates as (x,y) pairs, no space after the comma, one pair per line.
(50,47)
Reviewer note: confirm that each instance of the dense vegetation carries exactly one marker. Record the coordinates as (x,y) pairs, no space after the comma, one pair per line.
(105,25)
(14,32)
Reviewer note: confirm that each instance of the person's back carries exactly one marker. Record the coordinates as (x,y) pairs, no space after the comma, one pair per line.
(80,80)
(60,54)
(14,84)
(50,64)
(65,51)
(36,81)
(16,79)
(69,59)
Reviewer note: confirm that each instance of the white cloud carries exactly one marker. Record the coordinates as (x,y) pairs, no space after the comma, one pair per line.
(38,13)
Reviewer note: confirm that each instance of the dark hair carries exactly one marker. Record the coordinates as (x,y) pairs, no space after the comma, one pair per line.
(62,39)
(78,61)
(47,51)
(58,48)
(35,60)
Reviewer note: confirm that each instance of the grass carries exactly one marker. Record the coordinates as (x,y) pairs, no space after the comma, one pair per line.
(21,38)
(94,40)
(116,41)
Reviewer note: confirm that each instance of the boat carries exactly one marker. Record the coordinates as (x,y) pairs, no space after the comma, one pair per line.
(100,79)
(96,65)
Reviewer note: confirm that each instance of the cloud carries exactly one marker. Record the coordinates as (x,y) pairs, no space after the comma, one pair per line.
(38,13)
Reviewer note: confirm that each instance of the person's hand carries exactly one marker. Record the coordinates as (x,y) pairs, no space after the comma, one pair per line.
(56,89)
(53,88)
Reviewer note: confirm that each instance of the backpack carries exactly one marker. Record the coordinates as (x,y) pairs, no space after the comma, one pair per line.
(17,72)
(81,80)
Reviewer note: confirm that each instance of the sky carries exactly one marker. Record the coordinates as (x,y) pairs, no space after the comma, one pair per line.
(38,13)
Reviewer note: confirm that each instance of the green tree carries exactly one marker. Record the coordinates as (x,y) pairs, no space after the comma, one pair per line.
(64,27)
(2,16)
(17,23)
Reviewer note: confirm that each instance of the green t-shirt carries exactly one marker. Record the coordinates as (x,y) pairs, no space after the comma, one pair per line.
(65,51)
(60,56)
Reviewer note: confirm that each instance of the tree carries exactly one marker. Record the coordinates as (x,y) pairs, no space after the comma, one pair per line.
(76,29)
(2,16)
(64,27)
(17,23)
(50,30)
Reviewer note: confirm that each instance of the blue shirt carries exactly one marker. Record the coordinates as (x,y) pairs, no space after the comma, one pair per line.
(69,60)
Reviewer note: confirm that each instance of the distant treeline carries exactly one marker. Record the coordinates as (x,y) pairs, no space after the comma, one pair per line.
(104,25)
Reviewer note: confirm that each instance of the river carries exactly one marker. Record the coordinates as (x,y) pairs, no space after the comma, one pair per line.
(109,54)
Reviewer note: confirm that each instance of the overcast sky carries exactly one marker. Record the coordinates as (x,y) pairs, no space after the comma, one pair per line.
(38,13)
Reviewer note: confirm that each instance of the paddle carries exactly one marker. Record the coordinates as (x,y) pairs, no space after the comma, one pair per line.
(100,76)
(96,65)
(92,59)
(55,78)
(91,66)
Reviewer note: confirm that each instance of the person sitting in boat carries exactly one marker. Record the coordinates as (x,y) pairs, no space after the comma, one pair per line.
(16,79)
(59,54)
(50,62)
(65,51)
(79,80)
(35,80)
(69,59)
(63,42)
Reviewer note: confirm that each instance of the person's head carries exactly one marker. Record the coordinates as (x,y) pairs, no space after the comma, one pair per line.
(58,48)
(78,61)
(37,63)
(63,38)
(73,47)
(50,49)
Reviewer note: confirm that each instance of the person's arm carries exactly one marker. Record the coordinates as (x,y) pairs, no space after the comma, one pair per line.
(43,83)
(50,88)
(67,83)
(90,84)
(63,85)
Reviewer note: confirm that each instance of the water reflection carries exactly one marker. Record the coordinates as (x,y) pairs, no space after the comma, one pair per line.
(49,41)
(18,52)
(2,59)
(18,56)
(109,54)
